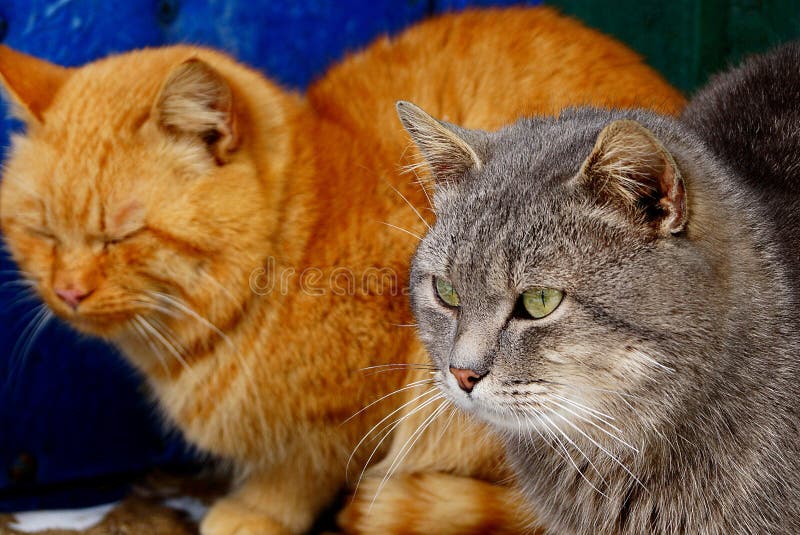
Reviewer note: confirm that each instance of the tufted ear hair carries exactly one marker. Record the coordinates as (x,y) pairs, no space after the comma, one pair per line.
(448,150)
(31,83)
(629,168)
(196,101)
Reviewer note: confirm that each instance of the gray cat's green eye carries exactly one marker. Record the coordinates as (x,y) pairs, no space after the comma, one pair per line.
(446,292)
(541,302)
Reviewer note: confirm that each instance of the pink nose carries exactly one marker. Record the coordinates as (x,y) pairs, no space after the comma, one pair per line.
(72,296)
(467,379)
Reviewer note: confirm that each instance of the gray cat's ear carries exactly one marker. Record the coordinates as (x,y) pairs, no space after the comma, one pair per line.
(197,102)
(449,151)
(631,169)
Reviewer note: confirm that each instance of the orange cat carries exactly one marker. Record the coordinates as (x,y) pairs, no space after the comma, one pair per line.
(227,236)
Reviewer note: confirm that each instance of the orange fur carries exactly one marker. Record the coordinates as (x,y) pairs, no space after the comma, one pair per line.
(178,171)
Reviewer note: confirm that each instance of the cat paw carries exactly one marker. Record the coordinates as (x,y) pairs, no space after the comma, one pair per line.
(231,517)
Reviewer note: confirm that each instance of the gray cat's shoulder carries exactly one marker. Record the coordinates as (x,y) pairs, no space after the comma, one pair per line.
(749,116)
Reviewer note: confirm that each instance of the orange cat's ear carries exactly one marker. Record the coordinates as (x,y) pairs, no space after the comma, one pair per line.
(197,102)
(449,151)
(631,169)
(30,82)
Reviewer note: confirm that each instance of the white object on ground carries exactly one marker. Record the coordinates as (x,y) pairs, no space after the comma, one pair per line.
(76,519)
(191,506)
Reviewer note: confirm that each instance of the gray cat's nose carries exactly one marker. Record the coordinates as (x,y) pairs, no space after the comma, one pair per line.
(467,379)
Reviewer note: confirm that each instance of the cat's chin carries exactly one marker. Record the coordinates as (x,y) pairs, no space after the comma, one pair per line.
(507,423)
(105,327)
(91,320)
(499,420)
(483,409)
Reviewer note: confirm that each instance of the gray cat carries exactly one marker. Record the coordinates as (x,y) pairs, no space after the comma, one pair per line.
(617,293)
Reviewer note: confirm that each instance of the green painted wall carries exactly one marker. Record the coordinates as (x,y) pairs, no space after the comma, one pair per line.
(687,40)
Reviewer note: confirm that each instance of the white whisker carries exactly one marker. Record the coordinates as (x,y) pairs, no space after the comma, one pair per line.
(401,229)
(415,384)
(593,424)
(601,448)
(27,294)
(391,426)
(572,461)
(30,334)
(410,205)
(535,428)
(247,374)
(650,360)
(158,308)
(400,365)
(406,448)
(425,191)
(453,411)
(581,406)
(219,285)
(164,342)
(177,303)
(19,282)
(146,339)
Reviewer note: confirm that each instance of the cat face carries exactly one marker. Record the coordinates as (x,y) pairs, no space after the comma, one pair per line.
(546,289)
(130,192)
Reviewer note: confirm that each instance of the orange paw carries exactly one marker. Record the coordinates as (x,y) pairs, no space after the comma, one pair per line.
(229,516)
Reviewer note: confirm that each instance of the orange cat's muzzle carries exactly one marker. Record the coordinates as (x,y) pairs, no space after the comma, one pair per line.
(75,277)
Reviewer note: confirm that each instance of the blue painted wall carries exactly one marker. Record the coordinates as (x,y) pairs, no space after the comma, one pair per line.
(74,425)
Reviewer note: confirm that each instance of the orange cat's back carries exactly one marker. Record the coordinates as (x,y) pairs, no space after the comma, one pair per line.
(485,68)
